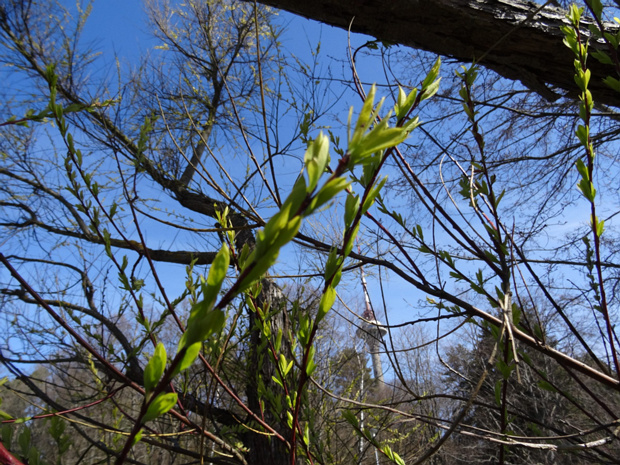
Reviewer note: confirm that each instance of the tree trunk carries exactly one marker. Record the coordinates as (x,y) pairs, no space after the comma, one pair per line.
(262,449)
(508,36)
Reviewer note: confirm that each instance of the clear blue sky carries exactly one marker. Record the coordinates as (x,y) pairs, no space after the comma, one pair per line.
(120,26)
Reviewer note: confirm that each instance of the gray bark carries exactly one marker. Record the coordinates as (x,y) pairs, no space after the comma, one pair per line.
(512,38)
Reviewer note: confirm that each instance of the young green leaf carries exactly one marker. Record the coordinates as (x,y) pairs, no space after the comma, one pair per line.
(612,82)
(583,134)
(285,366)
(137,437)
(546,386)
(599,226)
(404,103)
(155,368)
(160,405)
(372,195)
(216,276)
(379,138)
(296,197)
(350,417)
(189,356)
(365,118)
(24,440)
(201,325)
(327,192)
(351,207)
(327,301)
(311,365)
(431,77)
(316,160)
(597,8)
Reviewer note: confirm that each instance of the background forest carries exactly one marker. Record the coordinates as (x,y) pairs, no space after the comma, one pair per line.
(253,240)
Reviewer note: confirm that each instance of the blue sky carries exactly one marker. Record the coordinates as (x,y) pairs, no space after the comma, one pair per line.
(119,27)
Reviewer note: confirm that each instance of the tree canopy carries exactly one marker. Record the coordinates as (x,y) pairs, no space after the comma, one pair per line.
(183,237)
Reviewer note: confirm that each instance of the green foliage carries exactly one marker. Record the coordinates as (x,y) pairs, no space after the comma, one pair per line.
(364,141)
(160,405)
(57,431)
(253,362)
(204,320)
(155,368)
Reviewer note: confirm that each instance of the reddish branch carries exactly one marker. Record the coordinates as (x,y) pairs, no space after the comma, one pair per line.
(6,458)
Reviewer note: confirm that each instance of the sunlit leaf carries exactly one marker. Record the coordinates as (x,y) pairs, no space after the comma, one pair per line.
(160,405)
(155,368)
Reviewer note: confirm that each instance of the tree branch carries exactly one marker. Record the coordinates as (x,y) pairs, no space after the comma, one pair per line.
(511,37)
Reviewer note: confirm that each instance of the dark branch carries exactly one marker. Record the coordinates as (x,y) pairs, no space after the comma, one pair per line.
(510,37)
